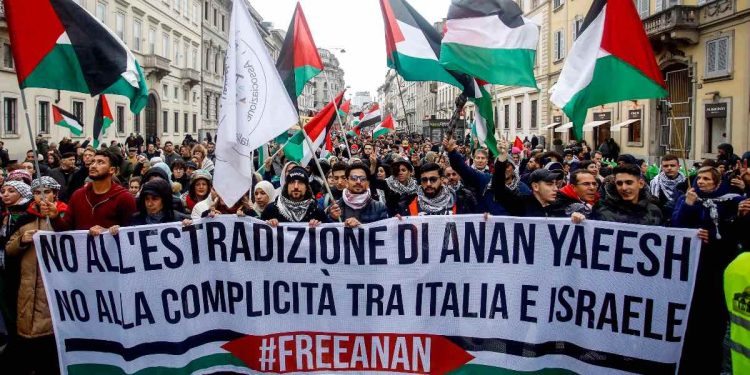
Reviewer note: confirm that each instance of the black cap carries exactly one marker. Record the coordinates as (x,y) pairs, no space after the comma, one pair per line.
(298,173)
(545,175)
(401,161)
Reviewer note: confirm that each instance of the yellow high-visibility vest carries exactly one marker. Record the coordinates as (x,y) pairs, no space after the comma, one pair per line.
(737,294)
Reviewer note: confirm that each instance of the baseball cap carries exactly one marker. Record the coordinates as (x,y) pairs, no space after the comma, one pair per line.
(545,175)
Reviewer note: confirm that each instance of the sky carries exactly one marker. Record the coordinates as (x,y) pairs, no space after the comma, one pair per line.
(354,25)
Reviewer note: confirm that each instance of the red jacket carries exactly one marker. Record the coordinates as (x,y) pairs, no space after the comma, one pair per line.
(87,209)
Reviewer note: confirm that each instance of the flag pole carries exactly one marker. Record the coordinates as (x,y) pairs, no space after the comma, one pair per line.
(320,169)
(338,116)
(33,145)
(403,105)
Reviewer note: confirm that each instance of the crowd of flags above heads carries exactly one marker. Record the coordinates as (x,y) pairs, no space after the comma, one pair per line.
(59,45)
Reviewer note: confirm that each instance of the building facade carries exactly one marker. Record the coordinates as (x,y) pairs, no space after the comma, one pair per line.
(329,83)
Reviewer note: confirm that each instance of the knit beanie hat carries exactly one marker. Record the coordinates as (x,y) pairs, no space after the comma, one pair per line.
(45,182)
(20,175)
(201,173)
(21,187)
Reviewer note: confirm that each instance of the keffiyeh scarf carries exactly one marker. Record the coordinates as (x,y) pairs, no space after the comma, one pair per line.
(713,210)
(292,210)
(663,184)
(400,188)
(356,201)
(439,205)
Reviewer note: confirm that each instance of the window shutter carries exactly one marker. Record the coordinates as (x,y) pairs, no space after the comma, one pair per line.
(659,5)
(711,57)
(722,54)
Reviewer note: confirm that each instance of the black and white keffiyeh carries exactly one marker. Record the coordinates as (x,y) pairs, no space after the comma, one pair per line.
(661,184)
(293,210)
(442,204)
(400,188)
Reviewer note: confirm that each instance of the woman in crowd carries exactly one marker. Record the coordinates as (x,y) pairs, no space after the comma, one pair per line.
(198,189)
(34,324)
(201,159)
(712,208)
(264,194)
(134,186)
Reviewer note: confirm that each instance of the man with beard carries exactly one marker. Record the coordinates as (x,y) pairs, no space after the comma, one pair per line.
(296,203)
(399,189)
(98,206)
(169,155)
(664,185)
(356,205)
(432,197)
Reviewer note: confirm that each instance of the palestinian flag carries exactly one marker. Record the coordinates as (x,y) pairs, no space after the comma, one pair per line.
(58,45)
(384,128)
(298,60)
(518,143)
(317,129)
(413,44)
(355,132)
(492,41)
(67,120)
(611,61)
(484,120)
(102,119)
(372,117)
(345,109)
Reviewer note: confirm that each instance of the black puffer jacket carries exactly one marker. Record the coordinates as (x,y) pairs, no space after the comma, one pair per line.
(613,208)
(162,189)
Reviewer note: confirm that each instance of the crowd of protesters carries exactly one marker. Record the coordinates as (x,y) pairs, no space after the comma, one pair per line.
(142,182)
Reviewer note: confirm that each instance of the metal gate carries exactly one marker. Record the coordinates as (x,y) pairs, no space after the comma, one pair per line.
(151,117)
(675,117)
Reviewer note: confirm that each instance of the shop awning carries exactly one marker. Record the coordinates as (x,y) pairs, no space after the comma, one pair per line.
(593,124)
(564,128)
(552,125)
(623,124)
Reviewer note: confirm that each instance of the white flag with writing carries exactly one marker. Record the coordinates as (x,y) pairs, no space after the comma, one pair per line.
(255,107)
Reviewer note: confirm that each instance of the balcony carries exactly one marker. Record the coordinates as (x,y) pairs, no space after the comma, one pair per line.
(156,65)
(191,77)
(676,25)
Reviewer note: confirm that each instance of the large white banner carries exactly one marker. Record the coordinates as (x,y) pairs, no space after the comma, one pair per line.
(421,295)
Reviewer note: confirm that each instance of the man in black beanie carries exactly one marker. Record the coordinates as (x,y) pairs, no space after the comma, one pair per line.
(296,203)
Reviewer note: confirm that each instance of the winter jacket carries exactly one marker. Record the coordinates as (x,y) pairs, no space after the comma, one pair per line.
(76,182)
(613,208)
(34,318)
(397,204)
(372,212)
(173,211)
(698,215)
(479,182)
(87,209)
(64,179)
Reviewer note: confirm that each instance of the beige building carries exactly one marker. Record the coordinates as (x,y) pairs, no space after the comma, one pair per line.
(702,50)
(164,36)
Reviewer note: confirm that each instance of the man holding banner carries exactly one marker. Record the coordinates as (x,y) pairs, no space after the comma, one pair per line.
(296,203)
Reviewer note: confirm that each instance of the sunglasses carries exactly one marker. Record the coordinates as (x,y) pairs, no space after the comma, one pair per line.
(431,180)
(357,178)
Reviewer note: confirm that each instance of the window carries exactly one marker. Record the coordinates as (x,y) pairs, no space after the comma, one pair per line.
(195,123)
(120,119)
(176,52)
(120,26)
(196,12)
(534,116)
(137,34)
(165,45)
(634,132)
(176,96)
(7,56)
(665,4)
(217,57)
(519,115)
(165,121)
(186,95)
(223,20)
(643,8)
(165,91)
(559,48)
(718,57)
(186,9)
(205,10)
(176,122)
(10,114)
(101,12)
(557,3)
(507,116)
(137,123)
(216,107)
(151,41)
(177,5)
(577,23)
(186,53)
(78,109)
(195,58)
(185,123)
(43,119)
(216,17)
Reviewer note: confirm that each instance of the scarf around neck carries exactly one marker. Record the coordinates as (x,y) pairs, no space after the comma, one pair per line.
(400,188)
(713,209)
(292,210)
(356,201)
(439,205)
(666,185)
